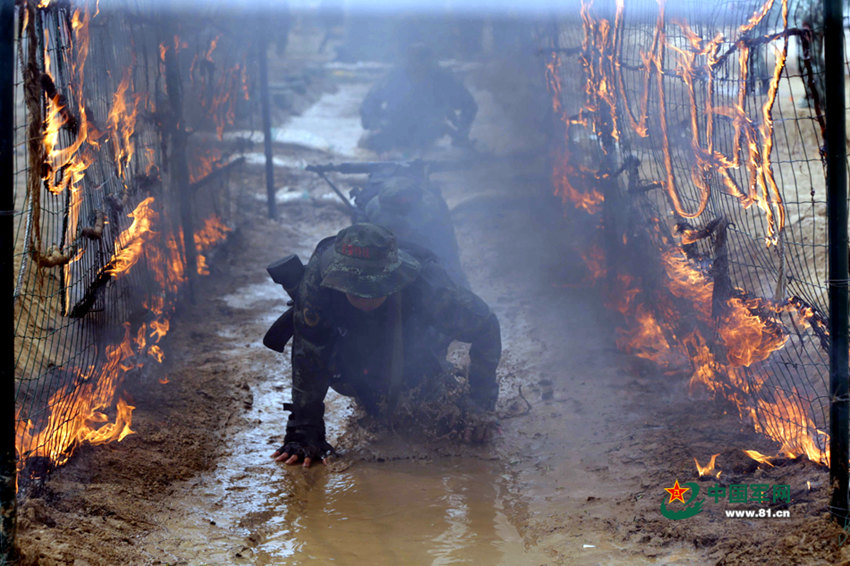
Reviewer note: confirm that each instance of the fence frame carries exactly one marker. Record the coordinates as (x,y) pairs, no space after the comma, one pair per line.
(836,182)
(8,479)
(601,50)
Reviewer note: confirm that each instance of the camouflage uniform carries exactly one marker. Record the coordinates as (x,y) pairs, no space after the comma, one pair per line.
(336,345)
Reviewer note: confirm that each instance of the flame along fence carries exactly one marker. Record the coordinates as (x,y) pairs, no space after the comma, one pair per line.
(692,133)
(120,190)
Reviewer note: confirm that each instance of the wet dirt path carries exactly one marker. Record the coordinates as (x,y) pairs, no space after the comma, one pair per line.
(402,505)
(392,508)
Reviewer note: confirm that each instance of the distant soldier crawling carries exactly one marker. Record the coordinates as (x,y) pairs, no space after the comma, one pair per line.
(367,318)
(416,105)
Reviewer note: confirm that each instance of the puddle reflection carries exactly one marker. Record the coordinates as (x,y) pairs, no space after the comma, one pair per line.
(446,512)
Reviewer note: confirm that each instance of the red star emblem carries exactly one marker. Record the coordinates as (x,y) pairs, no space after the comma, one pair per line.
(676,492)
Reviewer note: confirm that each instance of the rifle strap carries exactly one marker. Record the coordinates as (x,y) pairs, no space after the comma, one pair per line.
(396,369)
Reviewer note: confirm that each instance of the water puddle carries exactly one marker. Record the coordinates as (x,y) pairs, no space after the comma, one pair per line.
(332,124)
(396,513)
(251,510)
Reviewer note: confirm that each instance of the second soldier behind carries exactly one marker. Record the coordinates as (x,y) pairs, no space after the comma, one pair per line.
(415,105)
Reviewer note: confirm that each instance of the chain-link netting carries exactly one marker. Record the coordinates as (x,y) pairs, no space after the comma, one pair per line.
(692,133)
(121,191)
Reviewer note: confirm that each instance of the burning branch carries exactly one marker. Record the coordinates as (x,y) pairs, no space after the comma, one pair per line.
(691,235)
(722,292)
(68,120)
(133,239)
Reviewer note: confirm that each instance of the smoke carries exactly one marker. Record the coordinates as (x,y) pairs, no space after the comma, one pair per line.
(531,8)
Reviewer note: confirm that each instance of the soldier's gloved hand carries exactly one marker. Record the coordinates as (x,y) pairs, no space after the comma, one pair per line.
(305,436)
(293,452)
(479,426)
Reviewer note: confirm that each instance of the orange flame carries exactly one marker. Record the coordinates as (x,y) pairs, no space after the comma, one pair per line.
(213,231)
(787,421)
(109,432)
(76,413)
(708,468)
(121,122)
(204,161)
(133,238)
(564,177)
(594,260)
(746,331)
(759,457)
(90,409)
(748,338)
(159,328)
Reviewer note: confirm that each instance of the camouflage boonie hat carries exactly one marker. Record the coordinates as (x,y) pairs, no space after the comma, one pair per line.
(366,262)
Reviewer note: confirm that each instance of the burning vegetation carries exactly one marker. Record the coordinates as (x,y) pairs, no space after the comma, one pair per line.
(100,277)
(680,307)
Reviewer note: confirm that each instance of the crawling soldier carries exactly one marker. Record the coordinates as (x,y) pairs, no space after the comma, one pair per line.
(368,317)
(415,105)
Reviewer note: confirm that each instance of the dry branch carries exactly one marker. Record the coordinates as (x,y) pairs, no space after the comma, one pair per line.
(722,291)
(84,305)
(215,173)
(95,232)
(53,257)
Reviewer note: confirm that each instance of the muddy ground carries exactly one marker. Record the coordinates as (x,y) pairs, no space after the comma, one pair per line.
(589,438)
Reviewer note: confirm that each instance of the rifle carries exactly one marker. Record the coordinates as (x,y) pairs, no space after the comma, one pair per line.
(414,168)
(286,272)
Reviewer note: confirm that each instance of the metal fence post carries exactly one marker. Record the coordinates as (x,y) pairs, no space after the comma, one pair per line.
(179,162)
(7,274)
(836,183)
(262,60)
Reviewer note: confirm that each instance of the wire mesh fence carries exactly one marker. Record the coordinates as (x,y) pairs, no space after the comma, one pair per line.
(692,133)
(121,165)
